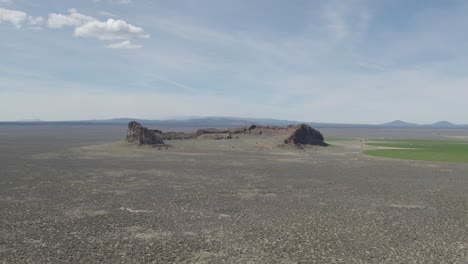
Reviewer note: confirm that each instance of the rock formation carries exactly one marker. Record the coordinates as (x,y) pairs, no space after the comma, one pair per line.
(305,135)
(141,135)
(299,135)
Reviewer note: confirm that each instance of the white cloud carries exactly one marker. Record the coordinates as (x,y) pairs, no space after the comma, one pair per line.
(127,44)
(16,18)
(35,20)
(110,30)
(72,19)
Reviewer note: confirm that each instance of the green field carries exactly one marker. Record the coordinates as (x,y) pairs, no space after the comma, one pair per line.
(339,139)
(431,150)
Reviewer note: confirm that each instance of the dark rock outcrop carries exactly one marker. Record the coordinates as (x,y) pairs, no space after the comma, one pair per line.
(210,131)
(300,134)
(141,135)
(215,136)
(176,135)
(305,135)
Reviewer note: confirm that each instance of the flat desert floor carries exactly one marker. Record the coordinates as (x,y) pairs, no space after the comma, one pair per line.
(83,195)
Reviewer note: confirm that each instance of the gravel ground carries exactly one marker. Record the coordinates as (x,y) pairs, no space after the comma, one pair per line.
(83,197)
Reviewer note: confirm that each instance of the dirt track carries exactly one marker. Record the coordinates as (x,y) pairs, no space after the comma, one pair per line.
(235,201)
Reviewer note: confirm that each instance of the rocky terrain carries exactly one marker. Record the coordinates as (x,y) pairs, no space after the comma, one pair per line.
(199,134)
(295,134)
(141,135)
(73,194)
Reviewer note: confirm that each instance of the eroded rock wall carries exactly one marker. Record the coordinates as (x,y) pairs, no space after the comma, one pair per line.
(141,135)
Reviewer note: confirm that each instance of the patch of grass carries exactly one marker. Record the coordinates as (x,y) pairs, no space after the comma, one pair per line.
(431,150)
(340,139)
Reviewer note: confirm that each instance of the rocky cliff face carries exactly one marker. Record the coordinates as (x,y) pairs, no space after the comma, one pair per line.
(260,130)
(305,135)
(141,135)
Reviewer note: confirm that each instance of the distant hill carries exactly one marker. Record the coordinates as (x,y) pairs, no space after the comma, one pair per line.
(442,124)
(399,123)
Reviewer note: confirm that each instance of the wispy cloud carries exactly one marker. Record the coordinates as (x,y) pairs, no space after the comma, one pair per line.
(191,30)
(79,105)
(345,18)
(126,44)
(107,14)
(371,65)
(119,2)
(122,1)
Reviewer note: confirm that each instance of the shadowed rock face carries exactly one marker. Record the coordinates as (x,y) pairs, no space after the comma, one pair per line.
(300,134)
(306,135)
(141,135)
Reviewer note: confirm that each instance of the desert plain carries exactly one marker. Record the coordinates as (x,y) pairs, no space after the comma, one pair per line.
(82,194)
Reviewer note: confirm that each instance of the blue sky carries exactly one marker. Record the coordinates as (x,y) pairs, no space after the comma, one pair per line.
(323,61)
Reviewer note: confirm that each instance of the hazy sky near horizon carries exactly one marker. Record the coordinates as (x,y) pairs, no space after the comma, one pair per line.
(352,61)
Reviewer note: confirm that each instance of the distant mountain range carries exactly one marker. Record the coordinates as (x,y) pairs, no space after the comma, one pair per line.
(399,123)
(440,124)
(218,122)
